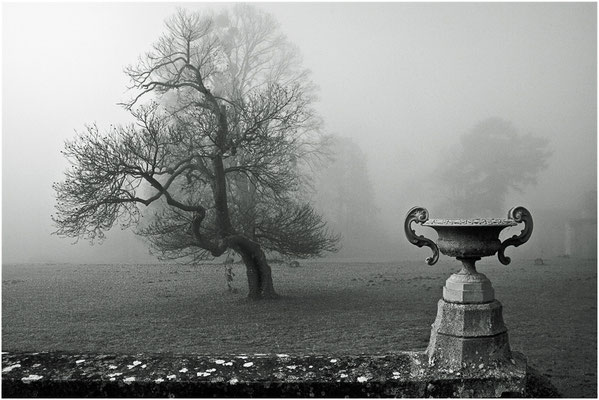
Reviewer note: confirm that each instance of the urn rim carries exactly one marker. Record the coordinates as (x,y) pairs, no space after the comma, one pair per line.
(470,222)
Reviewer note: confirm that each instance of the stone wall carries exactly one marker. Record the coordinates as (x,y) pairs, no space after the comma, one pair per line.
(404,374)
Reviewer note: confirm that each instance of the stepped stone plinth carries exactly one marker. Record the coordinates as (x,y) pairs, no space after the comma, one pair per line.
(467,288)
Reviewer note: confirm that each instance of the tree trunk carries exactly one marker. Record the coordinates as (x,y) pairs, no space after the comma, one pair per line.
(258,271)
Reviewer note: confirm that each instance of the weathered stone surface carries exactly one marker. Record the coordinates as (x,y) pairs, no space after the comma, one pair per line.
(468,334)
(453,285)
(405,374)
(470,240)
(453,352)
(468,288)
(469,320)
(482,295)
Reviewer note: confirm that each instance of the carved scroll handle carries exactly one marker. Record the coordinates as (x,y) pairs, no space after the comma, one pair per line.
(420,216)
(518,214)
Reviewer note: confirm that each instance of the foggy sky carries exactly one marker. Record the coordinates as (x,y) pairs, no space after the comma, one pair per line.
(403,80)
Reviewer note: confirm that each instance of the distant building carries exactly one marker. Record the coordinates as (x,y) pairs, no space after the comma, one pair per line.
(559,232)
(580,236)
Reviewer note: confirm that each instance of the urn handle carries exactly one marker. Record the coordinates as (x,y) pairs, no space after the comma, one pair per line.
(420,216)
(518,214)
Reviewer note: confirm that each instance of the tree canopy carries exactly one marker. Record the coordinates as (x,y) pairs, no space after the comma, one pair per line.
(490,161)
(345,195)
(224,135)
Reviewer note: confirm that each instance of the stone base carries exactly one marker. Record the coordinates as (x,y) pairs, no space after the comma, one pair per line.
(403,374)
(468,334)
(468,288)
(455,352)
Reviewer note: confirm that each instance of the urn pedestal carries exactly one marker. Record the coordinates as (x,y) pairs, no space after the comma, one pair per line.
(468,335)
(468,331)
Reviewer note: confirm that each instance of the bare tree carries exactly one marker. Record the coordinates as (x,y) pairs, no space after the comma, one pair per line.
(285,227)
(221,104)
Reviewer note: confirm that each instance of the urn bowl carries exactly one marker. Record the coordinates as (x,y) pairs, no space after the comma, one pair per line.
(469,238)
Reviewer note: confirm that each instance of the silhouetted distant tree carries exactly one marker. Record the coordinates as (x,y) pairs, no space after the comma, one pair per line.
(219,148)
(345,195)
(491,160)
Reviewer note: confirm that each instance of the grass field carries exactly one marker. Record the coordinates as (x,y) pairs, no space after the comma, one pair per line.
(332,307)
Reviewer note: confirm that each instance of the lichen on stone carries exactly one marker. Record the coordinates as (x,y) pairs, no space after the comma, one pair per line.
(30,378)
(11,367)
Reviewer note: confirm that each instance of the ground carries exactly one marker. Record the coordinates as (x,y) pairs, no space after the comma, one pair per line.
(326,307)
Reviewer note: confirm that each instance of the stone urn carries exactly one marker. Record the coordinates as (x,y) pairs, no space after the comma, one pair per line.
(469,328)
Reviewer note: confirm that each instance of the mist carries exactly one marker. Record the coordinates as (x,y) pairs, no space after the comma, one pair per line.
(402,81)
